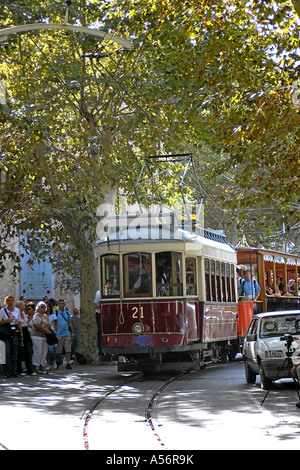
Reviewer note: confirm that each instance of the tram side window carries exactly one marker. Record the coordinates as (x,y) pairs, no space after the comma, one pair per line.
(213,280)
(223,283)
(233,282)
(207,280)
(190,270)
(228,283)
(218,281)
(168,274)
(110,280)
(137,275)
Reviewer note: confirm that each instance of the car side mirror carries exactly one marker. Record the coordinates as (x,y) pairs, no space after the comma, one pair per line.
(251,337)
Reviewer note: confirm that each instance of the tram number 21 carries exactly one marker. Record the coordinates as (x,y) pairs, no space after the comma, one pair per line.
(137,312)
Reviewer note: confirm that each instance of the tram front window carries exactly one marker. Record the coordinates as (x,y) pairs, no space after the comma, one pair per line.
(137,275)
(110,281)
(168,274)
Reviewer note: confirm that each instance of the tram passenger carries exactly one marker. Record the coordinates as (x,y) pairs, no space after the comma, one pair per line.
(109,289)
(271,292)
(161,279)
(281,286)
(292,287)
(250,288)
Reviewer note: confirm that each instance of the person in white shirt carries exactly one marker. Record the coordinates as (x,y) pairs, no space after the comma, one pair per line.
(10,315)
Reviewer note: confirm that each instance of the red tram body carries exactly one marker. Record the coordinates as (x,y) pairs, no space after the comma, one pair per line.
(168,295)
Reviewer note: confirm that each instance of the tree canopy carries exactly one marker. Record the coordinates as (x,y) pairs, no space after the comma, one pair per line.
(81,112)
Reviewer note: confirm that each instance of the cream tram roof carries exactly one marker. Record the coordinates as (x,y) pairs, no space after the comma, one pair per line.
(155,232)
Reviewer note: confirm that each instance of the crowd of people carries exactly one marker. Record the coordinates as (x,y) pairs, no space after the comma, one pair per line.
(24,327)
(281,291)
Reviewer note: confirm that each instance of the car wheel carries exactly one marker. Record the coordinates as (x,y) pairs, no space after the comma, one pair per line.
(250,375)
(265,382)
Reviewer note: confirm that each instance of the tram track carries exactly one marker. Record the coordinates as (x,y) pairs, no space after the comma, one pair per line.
(151,402)
(87,415)
(150,410)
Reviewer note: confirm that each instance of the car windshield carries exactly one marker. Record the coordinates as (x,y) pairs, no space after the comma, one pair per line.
(279,325)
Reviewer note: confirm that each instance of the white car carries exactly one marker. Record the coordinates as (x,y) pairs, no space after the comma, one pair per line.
(271,346)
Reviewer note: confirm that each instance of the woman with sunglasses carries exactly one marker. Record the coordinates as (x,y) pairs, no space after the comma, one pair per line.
(25,346)
(41,326)
(30,310)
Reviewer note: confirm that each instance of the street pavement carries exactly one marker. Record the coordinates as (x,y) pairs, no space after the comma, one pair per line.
(208,409)
(217,409)
(46,412)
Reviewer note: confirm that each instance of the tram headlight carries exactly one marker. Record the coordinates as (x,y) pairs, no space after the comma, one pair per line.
(138,329)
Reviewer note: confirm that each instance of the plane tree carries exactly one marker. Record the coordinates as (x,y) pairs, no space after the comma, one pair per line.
(79,112)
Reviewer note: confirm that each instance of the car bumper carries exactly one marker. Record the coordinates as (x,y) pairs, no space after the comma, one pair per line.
(275,368)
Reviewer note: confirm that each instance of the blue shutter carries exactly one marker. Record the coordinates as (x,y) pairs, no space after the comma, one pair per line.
(36,280)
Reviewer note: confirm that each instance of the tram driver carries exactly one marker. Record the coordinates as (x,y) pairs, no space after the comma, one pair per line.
(143,284)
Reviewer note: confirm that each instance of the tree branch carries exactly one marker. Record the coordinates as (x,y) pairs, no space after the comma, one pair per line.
(296,4)
(56,193)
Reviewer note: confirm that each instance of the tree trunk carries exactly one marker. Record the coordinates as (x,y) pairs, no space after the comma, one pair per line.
(84,240)
(83,236)
(88,339)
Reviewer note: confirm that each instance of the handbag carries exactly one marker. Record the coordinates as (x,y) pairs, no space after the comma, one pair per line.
(51,338)
(5,330)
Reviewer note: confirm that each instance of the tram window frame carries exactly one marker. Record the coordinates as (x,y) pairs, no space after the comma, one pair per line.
(228,282)
(145,262)
(110,279)
(190,270)
(168,264)
(223,282)
(233,282)
(207,279)
(213,280)
(219,281)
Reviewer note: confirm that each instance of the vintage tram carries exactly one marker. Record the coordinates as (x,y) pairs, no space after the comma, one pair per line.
(168,286)
(168,294)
